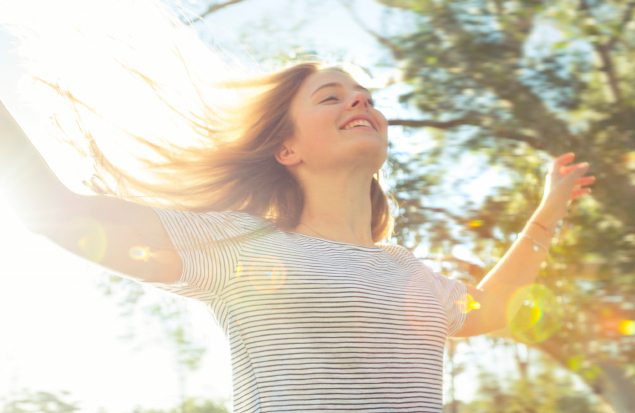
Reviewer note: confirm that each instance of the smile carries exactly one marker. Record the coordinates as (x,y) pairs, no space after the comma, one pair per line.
(358,122)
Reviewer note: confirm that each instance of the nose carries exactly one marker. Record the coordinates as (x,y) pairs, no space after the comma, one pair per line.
(359,100)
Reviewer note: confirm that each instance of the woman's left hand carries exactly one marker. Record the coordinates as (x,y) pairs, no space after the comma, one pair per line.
(564,183)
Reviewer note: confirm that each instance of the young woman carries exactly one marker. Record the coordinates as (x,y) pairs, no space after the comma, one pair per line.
(285,253)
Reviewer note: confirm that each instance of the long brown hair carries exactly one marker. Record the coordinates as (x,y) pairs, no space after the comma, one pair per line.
(236,169)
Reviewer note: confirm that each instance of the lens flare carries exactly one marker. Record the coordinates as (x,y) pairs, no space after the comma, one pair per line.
(539,317)
(267,274)
(139,253)
(575,362)
(629,159)
(627,327)
(92,241)
(467,303)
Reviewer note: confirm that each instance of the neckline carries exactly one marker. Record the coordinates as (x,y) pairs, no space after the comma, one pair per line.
(346,244)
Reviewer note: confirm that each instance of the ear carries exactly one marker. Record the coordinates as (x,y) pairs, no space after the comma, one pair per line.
(287,154)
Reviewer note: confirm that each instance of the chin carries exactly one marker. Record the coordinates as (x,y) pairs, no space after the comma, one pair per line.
(372,152)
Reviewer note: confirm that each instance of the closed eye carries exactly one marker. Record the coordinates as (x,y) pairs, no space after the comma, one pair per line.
(329,98)
(370,101)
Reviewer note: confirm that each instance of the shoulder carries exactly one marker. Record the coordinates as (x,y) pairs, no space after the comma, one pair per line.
(396,249)
(238,218)
(406,258)
(402,254)
(247,223)
(243,218)
(212,224)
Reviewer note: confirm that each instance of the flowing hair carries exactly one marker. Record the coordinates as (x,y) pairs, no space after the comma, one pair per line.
(232,166)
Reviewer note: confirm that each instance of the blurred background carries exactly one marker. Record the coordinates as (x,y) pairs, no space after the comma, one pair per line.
(481,96)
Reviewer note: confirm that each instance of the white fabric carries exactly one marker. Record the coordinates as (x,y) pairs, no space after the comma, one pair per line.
(317,325)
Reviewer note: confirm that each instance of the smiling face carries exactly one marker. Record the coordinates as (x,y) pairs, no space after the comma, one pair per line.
(336,125)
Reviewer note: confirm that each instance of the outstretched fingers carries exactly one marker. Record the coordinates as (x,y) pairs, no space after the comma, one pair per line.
(572,175)
(565,159)
(578,192)
(585,180)
(559,168)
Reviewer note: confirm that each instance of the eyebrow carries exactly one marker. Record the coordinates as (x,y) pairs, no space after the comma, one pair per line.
(336,84)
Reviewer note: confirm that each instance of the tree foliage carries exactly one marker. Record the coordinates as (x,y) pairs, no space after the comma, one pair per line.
(28,401)
(170,310)
(544,393)
(191,405)
(519,82)
(41,402)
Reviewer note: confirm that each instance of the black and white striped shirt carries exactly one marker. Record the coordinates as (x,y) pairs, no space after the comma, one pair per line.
(317,325)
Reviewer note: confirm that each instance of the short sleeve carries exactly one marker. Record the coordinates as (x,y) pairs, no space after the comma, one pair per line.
(451,292)
(209,245)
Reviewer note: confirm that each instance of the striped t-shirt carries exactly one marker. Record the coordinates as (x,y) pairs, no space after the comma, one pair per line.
(317,325)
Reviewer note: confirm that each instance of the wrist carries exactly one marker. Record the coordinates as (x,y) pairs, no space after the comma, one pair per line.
(537,244)
(542,226)
(546,217)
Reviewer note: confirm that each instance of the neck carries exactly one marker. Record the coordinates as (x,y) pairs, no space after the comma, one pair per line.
(337,208)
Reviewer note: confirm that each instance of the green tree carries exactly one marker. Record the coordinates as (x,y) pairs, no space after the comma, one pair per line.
(541,389)
(174,316)
(518,82)
(191,405)
(41,402)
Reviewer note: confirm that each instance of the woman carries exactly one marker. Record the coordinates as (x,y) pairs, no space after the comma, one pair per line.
(320,317)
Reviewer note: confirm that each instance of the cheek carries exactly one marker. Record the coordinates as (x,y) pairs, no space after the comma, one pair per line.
(315,138)
(318,130)
(382,121)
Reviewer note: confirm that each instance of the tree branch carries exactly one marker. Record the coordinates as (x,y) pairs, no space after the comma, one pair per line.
(533,141)
(515,136)
(501,133)
(609,69)
(458,219)
(430,123)
(628,16)
(213,8)
(603,51)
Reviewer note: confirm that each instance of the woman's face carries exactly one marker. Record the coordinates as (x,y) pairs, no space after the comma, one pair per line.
(336,124)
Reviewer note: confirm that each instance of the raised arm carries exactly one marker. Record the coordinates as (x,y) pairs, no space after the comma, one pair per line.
(496,296)
(126,237)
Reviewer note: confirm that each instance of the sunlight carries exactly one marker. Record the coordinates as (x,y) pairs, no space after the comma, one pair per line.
(467,303)
(627,327)
(16,242)
(267,274)
(22,252)
(101,62)
(539,317)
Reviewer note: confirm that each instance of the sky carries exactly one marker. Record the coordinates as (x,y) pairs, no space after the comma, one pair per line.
(59,331)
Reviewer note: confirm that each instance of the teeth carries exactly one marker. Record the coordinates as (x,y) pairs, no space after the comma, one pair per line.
(358,122)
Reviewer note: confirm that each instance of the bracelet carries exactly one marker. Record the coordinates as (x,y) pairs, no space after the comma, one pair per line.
(540,225)
(536,243)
